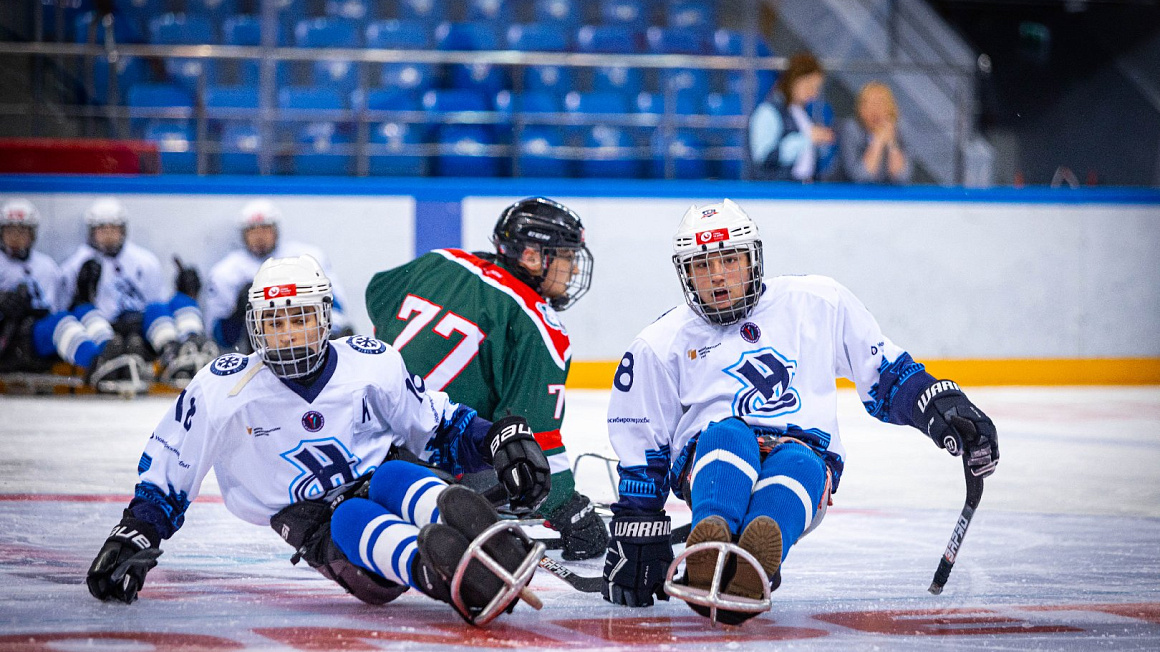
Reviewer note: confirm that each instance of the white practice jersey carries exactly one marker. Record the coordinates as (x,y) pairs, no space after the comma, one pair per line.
(270,445)
(40,274)
(129,281)
(775,369)
(237,270)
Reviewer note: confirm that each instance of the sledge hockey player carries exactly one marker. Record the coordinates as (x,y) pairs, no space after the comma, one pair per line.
(227,290)
(34,324)
(122,282)
(483,327)
(321,440)
(730,402)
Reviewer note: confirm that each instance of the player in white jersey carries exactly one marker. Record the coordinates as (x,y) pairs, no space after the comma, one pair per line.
(34,323)
(229,279)
(730,402)
(123,283)
(313,438)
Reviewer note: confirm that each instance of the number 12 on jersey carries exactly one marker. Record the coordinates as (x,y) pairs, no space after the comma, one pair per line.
(418,313)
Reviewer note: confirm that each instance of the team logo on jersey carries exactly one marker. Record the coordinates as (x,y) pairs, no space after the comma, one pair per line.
(230,363)
(313,421)
(750,332)
(550,317)
(324,465)
(366,344)
(766,377)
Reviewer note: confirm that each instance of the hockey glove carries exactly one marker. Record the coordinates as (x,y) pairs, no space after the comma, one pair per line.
(519,463)
(188,282)
(119,570)
(638,558)
(581,530)
(88,277)
(954,423)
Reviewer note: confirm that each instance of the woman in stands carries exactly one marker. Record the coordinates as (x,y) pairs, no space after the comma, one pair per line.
(783,140)
(871,150)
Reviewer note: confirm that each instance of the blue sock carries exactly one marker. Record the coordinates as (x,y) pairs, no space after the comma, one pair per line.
(375,539)
(724,471)
(792,480)
(407,490)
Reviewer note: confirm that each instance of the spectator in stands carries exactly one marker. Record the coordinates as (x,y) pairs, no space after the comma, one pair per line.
(34,325)
(122,282)
(870,148)
(783,140)
(227,295)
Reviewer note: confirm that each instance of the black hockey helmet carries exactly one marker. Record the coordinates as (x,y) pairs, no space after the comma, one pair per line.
(552,229)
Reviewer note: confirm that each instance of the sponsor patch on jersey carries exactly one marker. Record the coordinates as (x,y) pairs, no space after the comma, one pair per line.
(285,290)
(703,352)
(366,344)
(714,235)
(230,363)
(313,421)
(750,332)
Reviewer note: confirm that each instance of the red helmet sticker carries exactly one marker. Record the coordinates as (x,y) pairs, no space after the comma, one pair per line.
(715,235)
(287,290)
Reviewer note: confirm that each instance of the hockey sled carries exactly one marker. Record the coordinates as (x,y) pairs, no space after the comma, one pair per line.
(712,598)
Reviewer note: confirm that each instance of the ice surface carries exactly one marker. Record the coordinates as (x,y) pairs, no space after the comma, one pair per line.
(1063,554)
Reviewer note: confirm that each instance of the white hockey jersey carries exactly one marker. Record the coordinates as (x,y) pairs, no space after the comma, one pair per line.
(40,274)
(271,443)
(776,369)
(237,270)
(129,281)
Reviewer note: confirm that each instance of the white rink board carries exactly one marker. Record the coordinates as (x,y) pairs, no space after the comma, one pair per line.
(1063,554)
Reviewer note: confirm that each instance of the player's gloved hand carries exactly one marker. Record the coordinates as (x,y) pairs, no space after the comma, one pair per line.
(519,463)
(638,558)
(581,529)
(88,277)
(15,304)
(119,570)
(188,281)
(954,423)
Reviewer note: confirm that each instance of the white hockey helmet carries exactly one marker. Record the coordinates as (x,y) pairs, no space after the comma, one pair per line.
(107,211)
(259,212)
(19,213)
(286,296)
(715,231)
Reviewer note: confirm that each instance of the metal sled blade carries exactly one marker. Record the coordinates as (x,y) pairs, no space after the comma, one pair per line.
(713,598)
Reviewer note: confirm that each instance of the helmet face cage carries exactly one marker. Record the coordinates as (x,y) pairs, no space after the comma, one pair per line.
(704,265)
(555,231)
(305,324)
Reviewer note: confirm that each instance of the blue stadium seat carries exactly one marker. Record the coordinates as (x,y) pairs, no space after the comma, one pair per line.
(290,13)
(691,13)
(728,143)
(729,43)
(158,97)
(187,72)
(678,40)
(180,29)
(176,144)
(355,10)
(538,37)
(686,150)
(339,74)
(417,77)
(315,138)
(240,143)
(472,36)
(242,29)
(136,12)
(428,11)
(509,104)
(390,138)
(495,11)
(326,33)
(686,79)
(467,140)
(129,71)
(686,103)
(455,100)
(558,12)
(398,35)
(633,13)
(555,79)
(607,156)
(618,79)
(536,158)
(609,39)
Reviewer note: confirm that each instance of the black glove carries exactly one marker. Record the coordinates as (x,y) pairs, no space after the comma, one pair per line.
(88,277)
(950,419)
(15,304)
(519,463)
(188,282)
(638,559)
(120,567)
(581,530)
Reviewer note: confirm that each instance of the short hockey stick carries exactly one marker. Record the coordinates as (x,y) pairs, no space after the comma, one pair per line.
(974,494)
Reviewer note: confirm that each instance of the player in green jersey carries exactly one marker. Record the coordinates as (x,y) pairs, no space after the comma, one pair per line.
(483,328)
